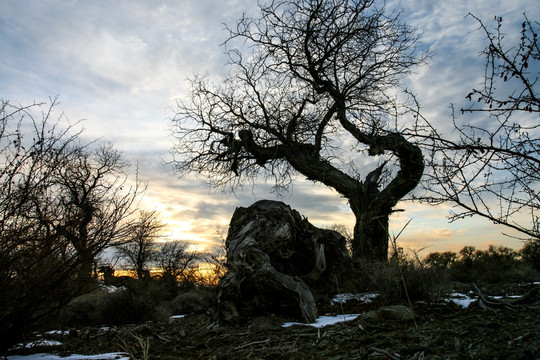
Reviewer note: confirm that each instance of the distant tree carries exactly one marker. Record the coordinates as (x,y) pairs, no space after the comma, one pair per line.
(174,260)
(468,255)
(312,93)
(441,259)
(491,169)
(216,260)
(138,251)
(496,264)
(345,231)
(530,253)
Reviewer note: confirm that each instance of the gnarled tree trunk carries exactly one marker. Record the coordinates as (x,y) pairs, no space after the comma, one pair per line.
(275,258)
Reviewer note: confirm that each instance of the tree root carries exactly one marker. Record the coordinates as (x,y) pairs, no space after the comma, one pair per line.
(491,303)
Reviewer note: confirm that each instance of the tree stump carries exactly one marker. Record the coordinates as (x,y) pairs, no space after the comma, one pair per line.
(275,258)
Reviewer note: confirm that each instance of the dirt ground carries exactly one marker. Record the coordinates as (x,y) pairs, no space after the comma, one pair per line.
(485,330)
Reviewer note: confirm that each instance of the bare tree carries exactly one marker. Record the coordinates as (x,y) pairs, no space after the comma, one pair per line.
(174,260)
(36,265)
(216,261)
(56,214)
(93,202)
(345,231)
(491,169)
(311,93)
(141,244)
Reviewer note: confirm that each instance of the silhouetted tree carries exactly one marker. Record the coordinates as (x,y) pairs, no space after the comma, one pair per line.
(491,168)
(174,260)
(60,205)
(311,93)
(344,231)
(530,253)
(36,264)
(441,259)
(139,249)
(93,202)
(216,260)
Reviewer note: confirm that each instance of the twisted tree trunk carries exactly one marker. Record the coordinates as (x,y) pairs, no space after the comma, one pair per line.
(275,259)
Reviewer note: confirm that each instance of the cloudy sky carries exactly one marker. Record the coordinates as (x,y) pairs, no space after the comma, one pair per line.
(121,65)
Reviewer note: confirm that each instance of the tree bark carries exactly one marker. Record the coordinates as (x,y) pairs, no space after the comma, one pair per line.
(371,238)
(275,258)
(371,206)
(86,263)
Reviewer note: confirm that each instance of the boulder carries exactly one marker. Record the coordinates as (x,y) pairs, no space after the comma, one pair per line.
(398,313)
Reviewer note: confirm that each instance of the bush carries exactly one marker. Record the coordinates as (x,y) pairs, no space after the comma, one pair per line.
(530,253)
(140,301)
(85,310)
(494,265)
(196,299)
(399,277)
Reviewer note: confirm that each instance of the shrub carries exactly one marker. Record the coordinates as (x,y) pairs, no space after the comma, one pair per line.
(139,301)
(196,299)
(530,253)
(84,310)
(494,265)
(441,260)
(401,276)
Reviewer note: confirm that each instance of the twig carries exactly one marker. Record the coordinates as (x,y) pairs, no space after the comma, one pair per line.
(341,302)
(162,338)
(385,353)
(417,356)
(142,344)
(252,343)
(394,244)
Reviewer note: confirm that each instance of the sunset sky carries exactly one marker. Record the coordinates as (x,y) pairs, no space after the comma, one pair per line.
(121,66)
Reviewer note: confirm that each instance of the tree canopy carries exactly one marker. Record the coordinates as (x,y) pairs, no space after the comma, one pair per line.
(312,90)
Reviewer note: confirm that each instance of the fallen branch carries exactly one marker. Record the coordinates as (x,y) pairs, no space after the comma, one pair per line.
(487,301)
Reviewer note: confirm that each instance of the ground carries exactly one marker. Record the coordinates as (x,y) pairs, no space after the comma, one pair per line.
(440,331)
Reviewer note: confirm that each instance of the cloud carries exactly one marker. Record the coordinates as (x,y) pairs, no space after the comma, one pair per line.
(121,65)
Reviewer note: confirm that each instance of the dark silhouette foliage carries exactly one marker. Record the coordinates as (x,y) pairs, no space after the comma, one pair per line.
(61,203)
(309,93)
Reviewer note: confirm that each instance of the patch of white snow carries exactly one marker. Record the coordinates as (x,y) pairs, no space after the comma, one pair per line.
(323,321)
(56,332)
(177,317)
(343,298)
(106,356)
(460,299)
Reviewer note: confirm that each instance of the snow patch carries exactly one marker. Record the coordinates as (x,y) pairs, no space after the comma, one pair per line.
(460,299)
(323,321)
(177,316)
(106,356)
(465,300)
(57,332)
(343,298)
(43,342)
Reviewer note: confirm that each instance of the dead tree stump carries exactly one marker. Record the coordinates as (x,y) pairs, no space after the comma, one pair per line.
(275,258)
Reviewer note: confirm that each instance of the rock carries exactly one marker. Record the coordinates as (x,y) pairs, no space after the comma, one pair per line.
(393,312)
(275,258)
